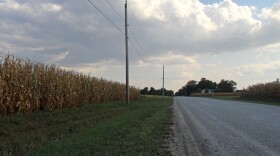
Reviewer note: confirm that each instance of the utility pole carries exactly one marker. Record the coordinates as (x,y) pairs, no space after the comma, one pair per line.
(163,82)
(126,52)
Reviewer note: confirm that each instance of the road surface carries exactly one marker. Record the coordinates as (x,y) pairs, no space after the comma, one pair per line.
(205,126)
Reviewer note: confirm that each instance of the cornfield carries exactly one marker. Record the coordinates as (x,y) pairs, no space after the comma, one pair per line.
(263,91)
(27,86)
(216,94)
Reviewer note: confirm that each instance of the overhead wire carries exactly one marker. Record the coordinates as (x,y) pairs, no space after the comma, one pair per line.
(115,10)
(136,49)
(106,17)
(141,30)
(139,51)
(130,39)
(137,41)
(142,57)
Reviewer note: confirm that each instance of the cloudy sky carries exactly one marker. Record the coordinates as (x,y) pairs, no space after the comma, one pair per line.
(231,39)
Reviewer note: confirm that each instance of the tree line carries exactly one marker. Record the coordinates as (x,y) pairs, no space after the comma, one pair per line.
(206,86)
(153,91)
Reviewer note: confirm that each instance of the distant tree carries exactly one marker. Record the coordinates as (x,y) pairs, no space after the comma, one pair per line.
(144,91)
(187,89)
(227,86)
(180,92)
(190,87)
(206,84)
(152,91)
(166,92)
(193,87)
(192,83)
(169,93)
(277,81)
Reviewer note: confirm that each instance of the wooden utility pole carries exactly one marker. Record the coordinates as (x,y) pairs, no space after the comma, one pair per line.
(126,52)
(163,82)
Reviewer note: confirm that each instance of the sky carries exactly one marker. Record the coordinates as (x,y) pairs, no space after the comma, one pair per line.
(217,39)
(256,3)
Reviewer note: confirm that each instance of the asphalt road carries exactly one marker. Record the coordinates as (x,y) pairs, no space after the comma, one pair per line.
(205,126)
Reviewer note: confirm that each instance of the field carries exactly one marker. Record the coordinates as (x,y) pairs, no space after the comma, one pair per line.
(27,87)
(108,129)
(263,91)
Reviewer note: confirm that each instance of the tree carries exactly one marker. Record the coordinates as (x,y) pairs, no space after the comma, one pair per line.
(144,91)
(152,91)
(180,92)
(191,87)
(206,84)
(277,81)
(169,93)
(187,89)
(227,86)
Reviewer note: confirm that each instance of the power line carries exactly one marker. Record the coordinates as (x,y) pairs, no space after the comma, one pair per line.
(132,43)
(138,43)
(141,30)
(154,78)
(106,17)
(144,37)
(139,51)
(141,56)
(115,10)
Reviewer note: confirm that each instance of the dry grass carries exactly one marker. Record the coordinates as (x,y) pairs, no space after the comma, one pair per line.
(26,87)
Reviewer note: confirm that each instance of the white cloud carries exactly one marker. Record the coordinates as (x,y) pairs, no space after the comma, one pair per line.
(49,7)
(151,9)
(187,27)
(172,59)
(60,57)
(192,27)
(98,68)
(273,48)
(271,13)
(13,5)
(233,18)
(265,68)
(91,69)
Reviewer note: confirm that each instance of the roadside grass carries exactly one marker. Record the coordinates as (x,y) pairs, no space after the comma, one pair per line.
(21,132)
(107,129)
(254,100)
(141,131)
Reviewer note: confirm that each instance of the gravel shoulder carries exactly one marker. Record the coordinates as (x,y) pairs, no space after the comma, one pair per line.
(182,142)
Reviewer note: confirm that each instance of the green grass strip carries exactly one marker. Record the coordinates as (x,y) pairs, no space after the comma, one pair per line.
(22,132)
(141,131)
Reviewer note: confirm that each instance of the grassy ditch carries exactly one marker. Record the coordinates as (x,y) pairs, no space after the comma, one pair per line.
(108,129)
(253,100)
